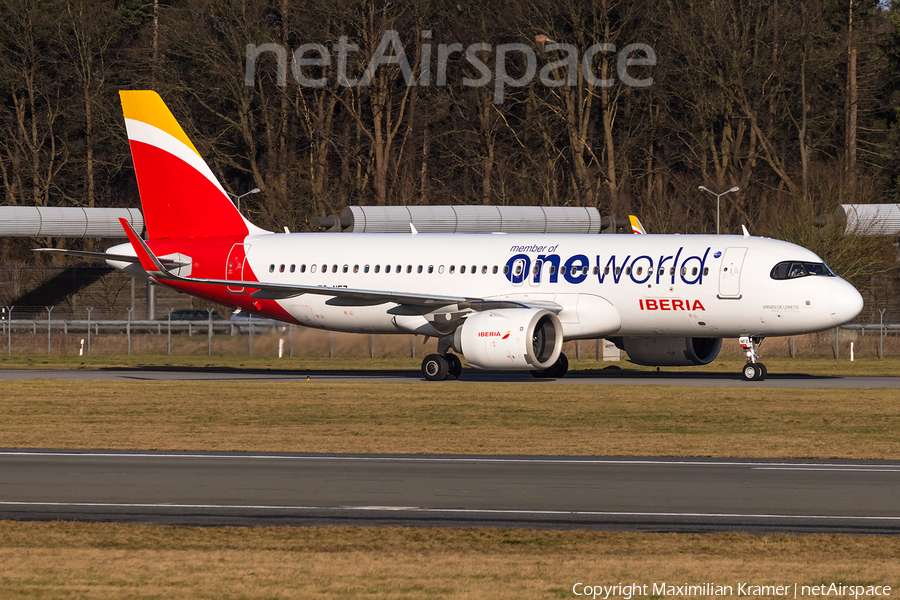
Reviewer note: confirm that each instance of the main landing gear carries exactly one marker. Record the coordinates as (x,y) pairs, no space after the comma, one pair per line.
(438,367)
(556,370)
(752,371)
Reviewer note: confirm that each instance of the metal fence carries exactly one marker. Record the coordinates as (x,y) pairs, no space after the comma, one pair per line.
(129,327)
(89,328)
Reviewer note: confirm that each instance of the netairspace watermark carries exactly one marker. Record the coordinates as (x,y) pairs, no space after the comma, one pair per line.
(562,70)
(743,589)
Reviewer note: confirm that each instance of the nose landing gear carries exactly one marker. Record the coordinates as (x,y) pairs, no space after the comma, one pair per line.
(753,370)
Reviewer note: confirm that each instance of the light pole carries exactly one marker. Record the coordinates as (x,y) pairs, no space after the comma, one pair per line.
(718,201)
(238,198)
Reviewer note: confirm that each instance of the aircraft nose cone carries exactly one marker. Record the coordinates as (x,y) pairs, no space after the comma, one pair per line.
(844,303)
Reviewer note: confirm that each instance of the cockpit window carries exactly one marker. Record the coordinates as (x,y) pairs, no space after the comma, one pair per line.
(794,269)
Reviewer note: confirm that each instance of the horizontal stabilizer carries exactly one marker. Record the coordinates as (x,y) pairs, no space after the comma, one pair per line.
(106,256)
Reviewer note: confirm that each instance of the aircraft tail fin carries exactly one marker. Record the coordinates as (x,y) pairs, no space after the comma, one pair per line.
(180,195)
(636,226)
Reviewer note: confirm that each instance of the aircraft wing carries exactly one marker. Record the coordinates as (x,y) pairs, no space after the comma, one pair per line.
(280,291)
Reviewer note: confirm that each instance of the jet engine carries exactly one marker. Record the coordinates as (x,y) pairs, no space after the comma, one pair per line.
(669,352)
(510,339)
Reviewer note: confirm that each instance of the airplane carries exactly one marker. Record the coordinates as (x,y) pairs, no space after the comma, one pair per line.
(503,301)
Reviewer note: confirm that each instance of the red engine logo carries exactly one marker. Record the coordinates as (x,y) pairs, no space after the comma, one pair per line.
(502,336)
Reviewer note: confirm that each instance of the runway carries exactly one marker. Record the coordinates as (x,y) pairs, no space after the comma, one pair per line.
(599,493)
(605,377)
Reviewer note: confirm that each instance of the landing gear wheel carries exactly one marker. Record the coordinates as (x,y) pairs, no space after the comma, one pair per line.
(435,367)
(555,371)
(751,372)
(455,365)
(561,367)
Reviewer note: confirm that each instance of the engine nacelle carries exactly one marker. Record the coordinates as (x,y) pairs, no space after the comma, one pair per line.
(512,339)
(669,352)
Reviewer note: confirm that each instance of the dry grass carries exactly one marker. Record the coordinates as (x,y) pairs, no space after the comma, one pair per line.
(456,417)
(75,560)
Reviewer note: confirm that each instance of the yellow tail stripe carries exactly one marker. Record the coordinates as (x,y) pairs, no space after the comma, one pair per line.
(146,106)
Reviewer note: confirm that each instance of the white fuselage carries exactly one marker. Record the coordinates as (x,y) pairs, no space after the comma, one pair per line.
(607,285)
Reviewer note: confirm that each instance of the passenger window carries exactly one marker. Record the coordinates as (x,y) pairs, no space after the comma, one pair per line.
(312,268)
(628,270)
(324,268)
(506,269)
(345,269)
(518,270)
(271,268)
(399,268)
(536,269)
(683,271)
(606,271)
(706,270)
(672,271)
(378,268)
(387,268)
(452,269)
(355,268)
(462,269)
(430,269)
(293,268)
(281,269)
(419,269)
(694,271)
(409,268)
(552,269)
(441,269)
(584,270)
(473,269)
(366,269)
(484,270)
(495,270)
(303,268)
(596,270)
(334,268)
(618,271)
(640,270)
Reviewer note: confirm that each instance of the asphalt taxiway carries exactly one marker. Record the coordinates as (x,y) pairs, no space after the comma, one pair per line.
(601,493)
(599,377)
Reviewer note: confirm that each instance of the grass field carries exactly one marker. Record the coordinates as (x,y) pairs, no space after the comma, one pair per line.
(72,560)
(79,560)
(451,417)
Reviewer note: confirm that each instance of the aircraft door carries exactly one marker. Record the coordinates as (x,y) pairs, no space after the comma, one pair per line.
(234,267)
(519,271)
(730,273)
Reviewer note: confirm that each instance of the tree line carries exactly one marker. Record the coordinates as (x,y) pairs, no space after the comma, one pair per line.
(793,101)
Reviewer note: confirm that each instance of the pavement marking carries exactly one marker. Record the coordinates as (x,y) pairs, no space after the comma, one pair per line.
(811,466)
(447,510)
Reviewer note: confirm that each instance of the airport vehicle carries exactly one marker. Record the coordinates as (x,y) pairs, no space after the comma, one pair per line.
(504,301)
